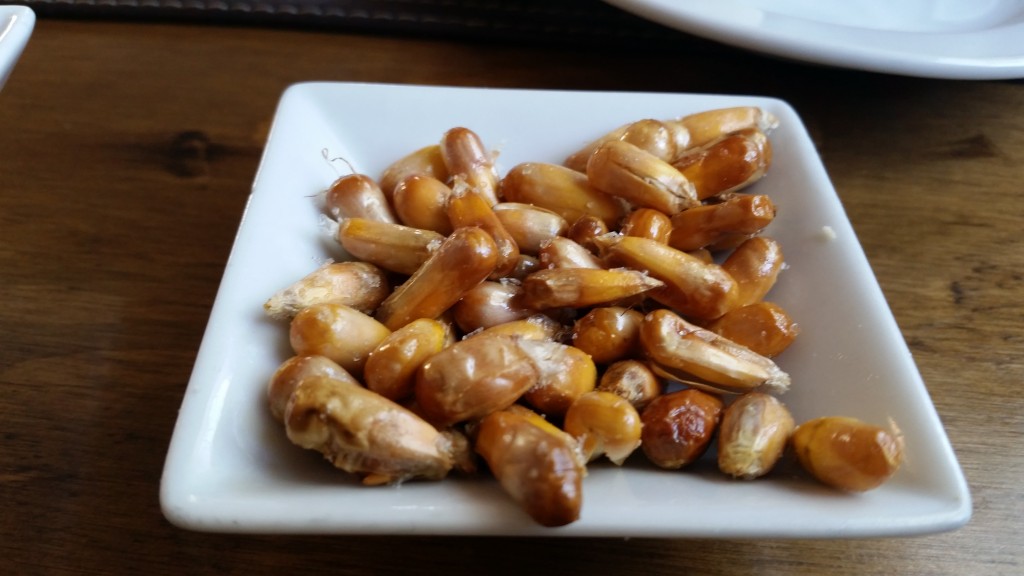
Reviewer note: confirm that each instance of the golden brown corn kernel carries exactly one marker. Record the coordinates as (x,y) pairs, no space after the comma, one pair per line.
(525,266)
(693,287)
(530,226)
(360,285)
(664,140)
(293,371)
(727,165)
(710,125)
(473,378)
(713,224)
(621,169)
(537,464)
(561,252)
(674,345)
(848,453)
(462,261)
(585,229)
(421,201)
(467,208)
(753,435)
(608,333)
(604,424)
(393,247)
(426,161)
(633,381)
(490,303)
(648,223)
(755,266)
(339,332)
(764,327)
(358,196)
(362,432)
(561,190)
(536,327)
(391,367)
(564,374)
(580,287)
(467,159)
(678,427)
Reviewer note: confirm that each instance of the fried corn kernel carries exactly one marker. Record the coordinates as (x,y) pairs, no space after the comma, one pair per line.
(715,224)
(360,285)
(648,223)
(564,374)
(536,327)
(467,208)
(393,247)
(473,378)
(426,161)
(391,367)
(693,287)
(539,466)
(608,333)
(664,140)
(339,332)
(291,372)
(363,433)
(530,226)
(755,265)
(675,345)
(621,169)
(848,453)
(561,190)
(585,229)
(764,327)
(421,201)
(466,158)
(604,424)
(580,287)
(708,126)
(678,427)
(464,259)
(728,164)
(490,303)
(633,380)
(752,435)
(358,196)
(561,252)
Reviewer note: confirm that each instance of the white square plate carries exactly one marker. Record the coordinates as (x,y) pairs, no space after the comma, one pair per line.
(231,469)
(16,24)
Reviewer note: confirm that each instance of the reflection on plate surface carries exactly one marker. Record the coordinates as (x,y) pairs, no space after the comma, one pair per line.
(957,39)
(230,468)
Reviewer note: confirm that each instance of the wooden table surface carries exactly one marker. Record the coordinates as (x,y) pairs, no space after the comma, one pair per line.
(127,150)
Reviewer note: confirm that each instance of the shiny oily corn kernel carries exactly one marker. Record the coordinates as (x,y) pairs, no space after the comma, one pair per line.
(678,427)
(848,453)
(605,424)
(753,435)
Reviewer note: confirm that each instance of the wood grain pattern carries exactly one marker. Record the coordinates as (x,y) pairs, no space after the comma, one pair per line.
(126,155)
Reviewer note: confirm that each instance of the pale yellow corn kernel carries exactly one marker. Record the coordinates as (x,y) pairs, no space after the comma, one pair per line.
(360,285)
(752,435)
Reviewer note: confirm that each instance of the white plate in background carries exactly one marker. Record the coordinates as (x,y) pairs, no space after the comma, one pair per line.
(954,39)
(231,469)
(16,23)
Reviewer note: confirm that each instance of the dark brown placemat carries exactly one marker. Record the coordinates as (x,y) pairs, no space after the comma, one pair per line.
(557,21)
